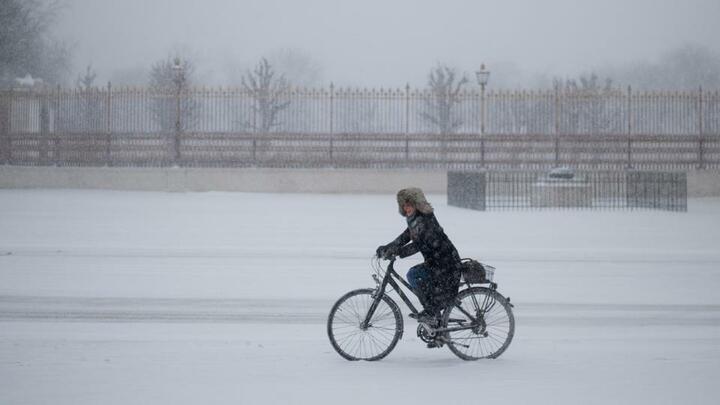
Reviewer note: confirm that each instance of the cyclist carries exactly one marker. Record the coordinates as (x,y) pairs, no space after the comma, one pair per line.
(435,281)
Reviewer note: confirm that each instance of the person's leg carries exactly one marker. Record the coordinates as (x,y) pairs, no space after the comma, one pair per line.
(433,292)
(430,310)
(418,277)
(445,288)
(415,277)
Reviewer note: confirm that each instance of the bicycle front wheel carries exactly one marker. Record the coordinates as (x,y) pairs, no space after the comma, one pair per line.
(485,321)
(355,341)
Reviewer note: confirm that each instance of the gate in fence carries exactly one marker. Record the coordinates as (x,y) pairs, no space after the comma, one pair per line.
(566,189)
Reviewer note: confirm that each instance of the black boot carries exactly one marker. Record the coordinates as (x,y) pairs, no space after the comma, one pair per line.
(429,317)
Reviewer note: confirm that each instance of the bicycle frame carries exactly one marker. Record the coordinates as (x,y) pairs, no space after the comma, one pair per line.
(390,278)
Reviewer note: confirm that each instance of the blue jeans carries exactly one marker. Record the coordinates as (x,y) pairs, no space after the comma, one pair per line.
(417,275)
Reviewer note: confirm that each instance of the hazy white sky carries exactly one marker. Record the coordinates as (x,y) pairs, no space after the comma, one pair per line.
(388,42)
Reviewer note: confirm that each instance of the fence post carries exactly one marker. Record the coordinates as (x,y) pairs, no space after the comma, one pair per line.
(482,152)
(557,110)
(557,126)
(44,127)
(108,127)
(332,108)
(254,150)
(6,99)
(407,149)
(629,153)
(178,125)
(407,124)
(700,111)
(56,135)
(254,115)
(332,117)
(407,108)
(557,150)
(701,153)
(629,110)
(482,109)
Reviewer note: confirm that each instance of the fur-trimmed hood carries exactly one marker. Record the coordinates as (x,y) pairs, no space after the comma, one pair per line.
(415,197)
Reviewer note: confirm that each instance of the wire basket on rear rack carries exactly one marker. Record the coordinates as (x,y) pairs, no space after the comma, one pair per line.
(474,272)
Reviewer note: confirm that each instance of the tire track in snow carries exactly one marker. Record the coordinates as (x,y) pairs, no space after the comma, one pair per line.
(314,311)
(557,256)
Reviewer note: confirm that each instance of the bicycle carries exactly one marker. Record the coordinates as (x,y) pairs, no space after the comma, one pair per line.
(366,324)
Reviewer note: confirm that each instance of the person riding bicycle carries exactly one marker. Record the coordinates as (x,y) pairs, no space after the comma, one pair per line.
(436,281)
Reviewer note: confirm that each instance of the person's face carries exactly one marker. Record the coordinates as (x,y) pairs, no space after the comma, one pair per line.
(408,209)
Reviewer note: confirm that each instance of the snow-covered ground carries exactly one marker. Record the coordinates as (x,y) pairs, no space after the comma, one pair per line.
(185,298)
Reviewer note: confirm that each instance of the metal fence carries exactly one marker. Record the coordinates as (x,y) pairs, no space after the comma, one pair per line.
(598,152)
(489,190)
(367,111)
(361,128)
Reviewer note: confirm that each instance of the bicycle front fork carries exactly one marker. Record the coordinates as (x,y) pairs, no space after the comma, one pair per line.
(377,296)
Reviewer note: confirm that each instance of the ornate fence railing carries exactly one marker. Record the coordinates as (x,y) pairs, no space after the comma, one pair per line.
(597,152)
(335,127)
(368,111)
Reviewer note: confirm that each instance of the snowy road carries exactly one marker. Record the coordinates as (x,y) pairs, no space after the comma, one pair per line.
(298,311)
(121,297)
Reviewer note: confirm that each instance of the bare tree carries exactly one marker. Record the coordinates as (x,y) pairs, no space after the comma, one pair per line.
(26,45)
(269,92)
(86,80)
(445,87)
(86,110)
(587,105)
(173,108)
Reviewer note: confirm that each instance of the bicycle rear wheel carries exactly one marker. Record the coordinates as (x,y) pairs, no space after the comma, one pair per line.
(353,341)
(492,321)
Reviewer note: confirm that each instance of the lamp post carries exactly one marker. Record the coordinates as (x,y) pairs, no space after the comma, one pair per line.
(179,80)
(482,77)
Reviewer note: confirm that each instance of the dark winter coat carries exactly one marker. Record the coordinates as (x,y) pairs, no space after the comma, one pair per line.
(425,235)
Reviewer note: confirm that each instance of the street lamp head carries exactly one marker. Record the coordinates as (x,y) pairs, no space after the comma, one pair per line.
(177,66)
(178,73)
(482,75)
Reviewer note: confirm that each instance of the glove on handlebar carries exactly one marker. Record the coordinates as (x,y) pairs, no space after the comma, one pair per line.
(386,251)
(380,251)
